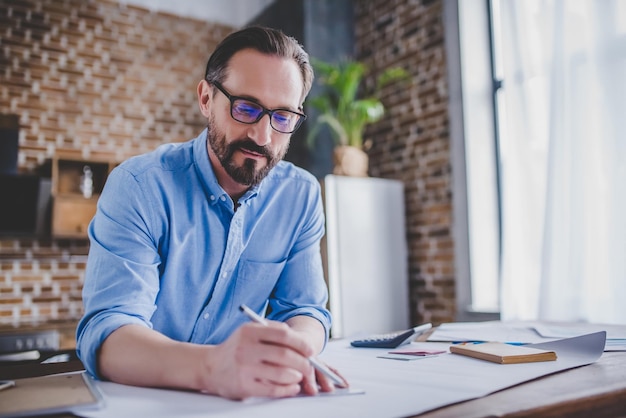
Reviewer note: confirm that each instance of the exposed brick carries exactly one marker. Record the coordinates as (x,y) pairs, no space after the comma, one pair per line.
(46,299)
(68,69)
(65,277)
(45,310)
(10,301)
(412,142)
(26,278)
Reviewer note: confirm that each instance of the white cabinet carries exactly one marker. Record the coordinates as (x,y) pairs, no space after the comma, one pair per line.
(365,255)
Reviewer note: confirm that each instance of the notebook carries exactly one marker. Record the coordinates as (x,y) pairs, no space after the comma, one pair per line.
(503,353)
(49,395)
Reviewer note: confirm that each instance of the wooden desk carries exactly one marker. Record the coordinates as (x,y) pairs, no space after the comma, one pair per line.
(596,390)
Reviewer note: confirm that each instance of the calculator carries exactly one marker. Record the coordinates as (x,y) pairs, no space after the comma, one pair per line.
(392,340)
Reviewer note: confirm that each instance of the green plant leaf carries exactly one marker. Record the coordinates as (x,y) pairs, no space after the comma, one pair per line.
(391,75)
(341,109)
(337,130)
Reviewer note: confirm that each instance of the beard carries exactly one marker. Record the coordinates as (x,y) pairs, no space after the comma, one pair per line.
(247,174)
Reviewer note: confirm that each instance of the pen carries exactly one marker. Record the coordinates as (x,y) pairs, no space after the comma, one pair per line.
(5,384)
(338,381)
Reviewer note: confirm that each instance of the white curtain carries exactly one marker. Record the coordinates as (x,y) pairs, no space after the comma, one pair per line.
(563,160)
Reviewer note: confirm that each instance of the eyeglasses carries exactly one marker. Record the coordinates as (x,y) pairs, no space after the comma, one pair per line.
(246,111)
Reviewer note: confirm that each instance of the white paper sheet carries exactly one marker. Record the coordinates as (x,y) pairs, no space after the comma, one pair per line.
(527,332)
(488,331)
(392,388)
(615,334)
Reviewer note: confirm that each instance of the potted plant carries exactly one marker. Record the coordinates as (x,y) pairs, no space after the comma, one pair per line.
(347,109)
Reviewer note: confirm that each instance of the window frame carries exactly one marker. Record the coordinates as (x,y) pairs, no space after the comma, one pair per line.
(473,117)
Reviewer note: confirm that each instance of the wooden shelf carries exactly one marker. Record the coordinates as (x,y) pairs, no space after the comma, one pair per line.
(72,210)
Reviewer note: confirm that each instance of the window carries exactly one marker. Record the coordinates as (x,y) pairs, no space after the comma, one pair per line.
(474,159)
(537,97)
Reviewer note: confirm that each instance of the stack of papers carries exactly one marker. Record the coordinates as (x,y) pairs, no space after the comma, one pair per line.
(615,338)
(525,332)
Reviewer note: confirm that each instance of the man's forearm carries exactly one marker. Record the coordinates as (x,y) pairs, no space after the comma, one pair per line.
(136,355)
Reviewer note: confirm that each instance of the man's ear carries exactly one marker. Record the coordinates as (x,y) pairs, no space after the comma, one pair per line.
(205,95)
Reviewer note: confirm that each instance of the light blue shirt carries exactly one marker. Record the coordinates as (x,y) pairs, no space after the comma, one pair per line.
(168,251)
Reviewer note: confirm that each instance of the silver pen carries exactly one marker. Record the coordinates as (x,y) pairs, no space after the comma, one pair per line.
(6,384)
(338,381)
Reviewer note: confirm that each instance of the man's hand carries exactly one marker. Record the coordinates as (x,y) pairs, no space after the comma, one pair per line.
(311,330)
(258,360)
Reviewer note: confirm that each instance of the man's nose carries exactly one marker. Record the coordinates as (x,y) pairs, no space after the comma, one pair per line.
(261,132)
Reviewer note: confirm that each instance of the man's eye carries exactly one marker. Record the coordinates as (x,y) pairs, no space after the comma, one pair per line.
(247,109)
(283,118)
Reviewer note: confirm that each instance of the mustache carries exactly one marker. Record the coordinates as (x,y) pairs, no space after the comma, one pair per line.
(250,145)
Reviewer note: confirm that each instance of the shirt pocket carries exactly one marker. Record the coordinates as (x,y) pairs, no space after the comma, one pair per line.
(254,284)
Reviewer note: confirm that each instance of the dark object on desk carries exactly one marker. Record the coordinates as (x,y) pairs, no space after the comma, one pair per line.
(392,340)
(49,395)
(43,366)
(6,384)
(503,353)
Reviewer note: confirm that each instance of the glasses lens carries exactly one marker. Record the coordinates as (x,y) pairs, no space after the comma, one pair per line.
(245,111)
(285,121)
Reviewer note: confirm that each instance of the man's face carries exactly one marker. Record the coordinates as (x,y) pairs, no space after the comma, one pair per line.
(251,171)
(247,152)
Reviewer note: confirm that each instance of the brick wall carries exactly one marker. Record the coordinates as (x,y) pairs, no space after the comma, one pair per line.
(412,142)
(100,77)
(41,281)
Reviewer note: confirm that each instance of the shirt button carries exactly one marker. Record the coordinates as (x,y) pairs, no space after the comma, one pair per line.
(224,275)
(206,315)
(223,198)
(212,197)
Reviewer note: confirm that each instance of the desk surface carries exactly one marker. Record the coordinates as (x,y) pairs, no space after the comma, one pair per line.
(596,390)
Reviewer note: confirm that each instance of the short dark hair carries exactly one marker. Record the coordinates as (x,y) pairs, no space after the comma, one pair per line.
(265,40)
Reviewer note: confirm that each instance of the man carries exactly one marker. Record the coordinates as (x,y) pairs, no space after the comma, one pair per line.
(186,234)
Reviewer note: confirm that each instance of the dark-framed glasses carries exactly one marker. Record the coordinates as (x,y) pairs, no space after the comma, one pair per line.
(247,111)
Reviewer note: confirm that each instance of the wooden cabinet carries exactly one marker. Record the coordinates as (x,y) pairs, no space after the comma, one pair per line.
(76,186)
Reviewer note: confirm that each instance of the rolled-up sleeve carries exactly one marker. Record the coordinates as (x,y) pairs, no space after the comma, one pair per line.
(121,278)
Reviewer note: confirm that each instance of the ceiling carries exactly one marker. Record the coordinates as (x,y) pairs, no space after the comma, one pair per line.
(231,12)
